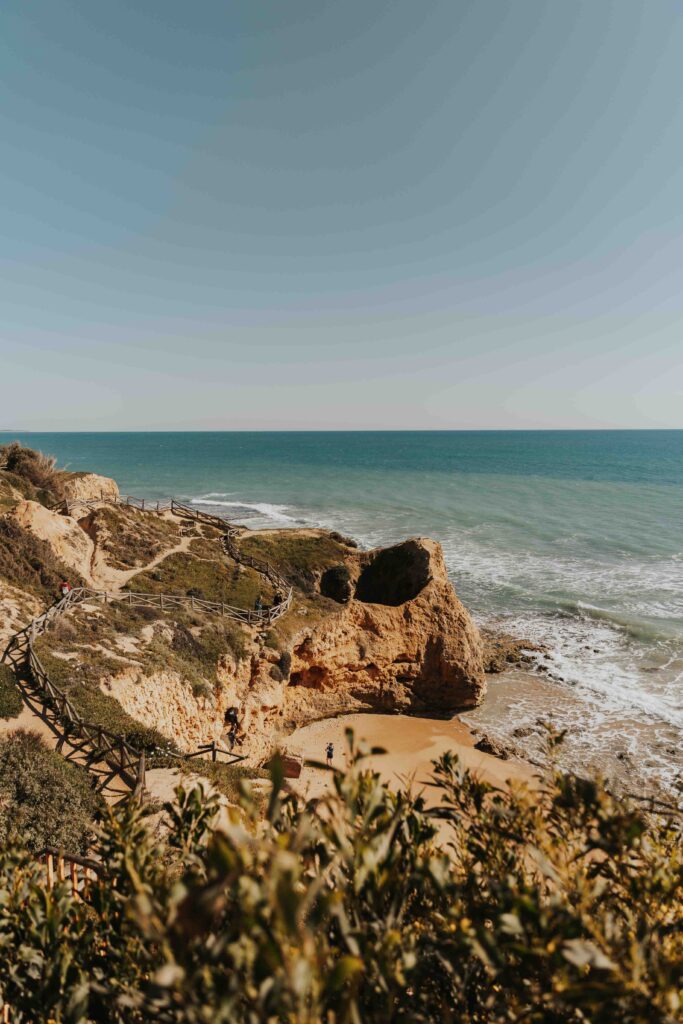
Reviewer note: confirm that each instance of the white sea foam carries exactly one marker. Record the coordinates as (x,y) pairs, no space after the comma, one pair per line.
(611,627)
(276,513)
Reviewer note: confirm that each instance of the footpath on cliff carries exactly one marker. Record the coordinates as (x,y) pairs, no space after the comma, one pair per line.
(368,631)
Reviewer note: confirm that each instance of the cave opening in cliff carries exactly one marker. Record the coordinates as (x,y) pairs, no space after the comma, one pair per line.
(395,575)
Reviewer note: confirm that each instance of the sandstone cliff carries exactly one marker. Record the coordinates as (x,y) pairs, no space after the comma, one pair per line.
(89,487)
(67,540)
(378,630)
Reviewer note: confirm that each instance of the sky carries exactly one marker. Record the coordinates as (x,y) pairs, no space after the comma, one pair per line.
(259,214)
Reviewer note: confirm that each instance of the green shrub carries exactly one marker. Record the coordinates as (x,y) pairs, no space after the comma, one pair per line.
(227,779)
(11,703)
(558,905)
(44,800)
(207,579)
(300,557)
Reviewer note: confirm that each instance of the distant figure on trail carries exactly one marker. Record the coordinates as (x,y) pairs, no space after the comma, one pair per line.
(232,723)
(329,754)
(277,599)
(65,588)
(258,603)
(231,717)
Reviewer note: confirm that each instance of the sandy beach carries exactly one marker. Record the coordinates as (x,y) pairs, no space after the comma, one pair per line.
(411,744)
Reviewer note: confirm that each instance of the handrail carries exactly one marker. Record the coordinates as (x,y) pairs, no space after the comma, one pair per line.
(111,747)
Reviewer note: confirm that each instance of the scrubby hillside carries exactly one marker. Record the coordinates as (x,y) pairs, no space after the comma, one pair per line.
(555,903)
(377,630)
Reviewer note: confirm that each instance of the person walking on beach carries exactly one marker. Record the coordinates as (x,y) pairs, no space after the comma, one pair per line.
(329,754)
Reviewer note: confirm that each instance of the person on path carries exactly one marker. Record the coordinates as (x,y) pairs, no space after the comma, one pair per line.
(329,754)
(258,603)
(65,588)
(232,723)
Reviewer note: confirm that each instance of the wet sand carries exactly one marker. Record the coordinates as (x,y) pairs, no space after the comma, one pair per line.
(411,745)
(632,756)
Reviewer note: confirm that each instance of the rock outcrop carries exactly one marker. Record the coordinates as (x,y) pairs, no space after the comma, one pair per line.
(165,702)
(68,541)
(378,630)
(401,642)
(89,487)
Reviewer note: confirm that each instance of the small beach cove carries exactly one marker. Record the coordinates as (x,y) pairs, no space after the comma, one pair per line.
(411,745)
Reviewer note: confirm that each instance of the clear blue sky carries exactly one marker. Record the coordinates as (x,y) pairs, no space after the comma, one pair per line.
(315,214)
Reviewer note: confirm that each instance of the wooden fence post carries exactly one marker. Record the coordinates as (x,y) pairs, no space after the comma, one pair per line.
(73,871)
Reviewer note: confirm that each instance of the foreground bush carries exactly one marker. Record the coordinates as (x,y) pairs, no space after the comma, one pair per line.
(561,905)
(44,800)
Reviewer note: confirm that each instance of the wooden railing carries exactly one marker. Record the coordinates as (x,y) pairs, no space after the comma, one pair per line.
(109,747)
(250,616)
(114,750)
(62,867)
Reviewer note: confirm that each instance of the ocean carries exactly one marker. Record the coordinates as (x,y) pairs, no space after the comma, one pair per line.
(572,539)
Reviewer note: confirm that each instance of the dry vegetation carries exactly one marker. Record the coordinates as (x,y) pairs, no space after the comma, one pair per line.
(299,555)
(10,699)
(30,563)
(92,645)
(33,474)
(214,579)
(128,537)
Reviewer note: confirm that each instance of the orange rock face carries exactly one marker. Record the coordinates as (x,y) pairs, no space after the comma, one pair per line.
(402,641)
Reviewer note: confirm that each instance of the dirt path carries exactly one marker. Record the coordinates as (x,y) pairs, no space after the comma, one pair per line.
(104,577)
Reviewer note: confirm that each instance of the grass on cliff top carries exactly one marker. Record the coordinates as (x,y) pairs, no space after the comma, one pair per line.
(10,698)
(216,579)
(30,563)
(226,778)
(129,537)
(31,475)
(299,556)
(190,646)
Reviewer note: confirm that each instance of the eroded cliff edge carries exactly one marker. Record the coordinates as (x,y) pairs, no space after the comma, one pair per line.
(368,630)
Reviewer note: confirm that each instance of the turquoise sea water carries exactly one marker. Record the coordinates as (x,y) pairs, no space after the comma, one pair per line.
(574,539)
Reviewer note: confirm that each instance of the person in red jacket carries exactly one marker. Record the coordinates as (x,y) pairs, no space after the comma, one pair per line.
(65,588)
